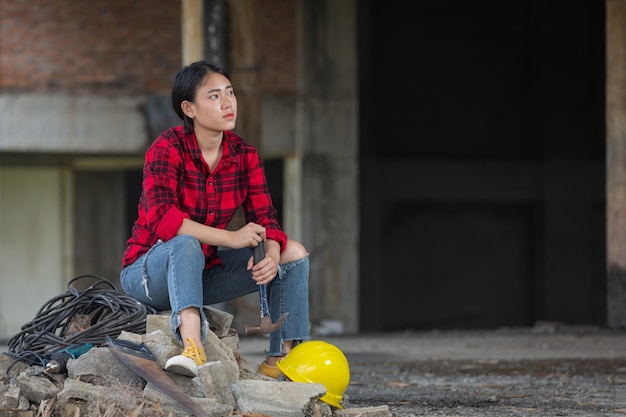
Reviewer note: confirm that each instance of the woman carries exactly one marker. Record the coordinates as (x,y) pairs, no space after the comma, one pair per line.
(195,177)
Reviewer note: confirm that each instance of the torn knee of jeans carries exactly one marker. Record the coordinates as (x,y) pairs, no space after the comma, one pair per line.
(282,269)
(144,276)
(144,284)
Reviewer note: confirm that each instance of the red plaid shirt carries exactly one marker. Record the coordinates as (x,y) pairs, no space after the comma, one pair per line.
(177,184)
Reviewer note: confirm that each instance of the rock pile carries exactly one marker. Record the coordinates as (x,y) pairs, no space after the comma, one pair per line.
(97,384)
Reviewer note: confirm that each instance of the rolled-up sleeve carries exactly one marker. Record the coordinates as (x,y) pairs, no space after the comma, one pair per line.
(169,224)
(279,236)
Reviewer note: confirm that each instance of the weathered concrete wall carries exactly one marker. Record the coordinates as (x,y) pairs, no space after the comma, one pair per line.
(33,241)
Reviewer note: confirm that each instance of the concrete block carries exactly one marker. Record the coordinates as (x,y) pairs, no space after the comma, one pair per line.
(213,381)
(100,367)
(211,406)
(160,344)
(119,397)
(36,389)
(379,411)
(9,397)
(17,367)
(220,321)
(216,350)
(278,399)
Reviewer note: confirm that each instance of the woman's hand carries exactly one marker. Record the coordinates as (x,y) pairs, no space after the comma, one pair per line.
(267,268)
(248,236)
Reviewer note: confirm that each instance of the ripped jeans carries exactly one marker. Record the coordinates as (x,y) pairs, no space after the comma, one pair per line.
(167,277)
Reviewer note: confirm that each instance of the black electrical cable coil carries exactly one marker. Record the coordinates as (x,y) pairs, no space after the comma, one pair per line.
(77,317)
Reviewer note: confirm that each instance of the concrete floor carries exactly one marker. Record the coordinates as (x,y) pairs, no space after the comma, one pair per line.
(545,341)
(547,370)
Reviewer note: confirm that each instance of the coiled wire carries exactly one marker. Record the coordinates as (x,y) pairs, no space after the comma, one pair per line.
(77,317)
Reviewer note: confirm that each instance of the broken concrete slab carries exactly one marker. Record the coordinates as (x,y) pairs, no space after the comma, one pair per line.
(278,398)
(100,367)
(215,383)
(379,411)
(190,386)
(209,405)
(160,344)
(9,397)
(221,322)
(36,390)
(124,397)
(10,365)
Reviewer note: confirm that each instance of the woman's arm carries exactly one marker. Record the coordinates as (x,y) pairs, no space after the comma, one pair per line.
(249,235)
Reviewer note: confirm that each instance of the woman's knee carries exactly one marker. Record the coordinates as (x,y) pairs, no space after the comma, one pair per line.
(186,240)
(293,252)
(187,245)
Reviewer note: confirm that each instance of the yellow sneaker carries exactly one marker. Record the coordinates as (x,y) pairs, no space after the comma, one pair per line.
(269,370)
(187,362)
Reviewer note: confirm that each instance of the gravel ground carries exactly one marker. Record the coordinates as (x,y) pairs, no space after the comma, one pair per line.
(568,387)
(542,371)
(518,373)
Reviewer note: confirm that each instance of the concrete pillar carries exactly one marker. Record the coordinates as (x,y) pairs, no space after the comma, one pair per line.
(192,30)
(616,161)
(327,134)
(245,68)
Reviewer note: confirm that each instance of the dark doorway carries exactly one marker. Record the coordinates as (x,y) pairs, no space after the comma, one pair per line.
(482,150)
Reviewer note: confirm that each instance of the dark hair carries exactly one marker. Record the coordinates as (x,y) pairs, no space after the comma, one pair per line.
(185,85)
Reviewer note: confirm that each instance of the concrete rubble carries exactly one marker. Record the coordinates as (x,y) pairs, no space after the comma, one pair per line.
(98,384)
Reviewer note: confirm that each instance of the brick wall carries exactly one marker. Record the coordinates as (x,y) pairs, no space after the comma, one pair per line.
(115,47)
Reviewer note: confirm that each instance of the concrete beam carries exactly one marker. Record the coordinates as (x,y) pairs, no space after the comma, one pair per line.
(72,124)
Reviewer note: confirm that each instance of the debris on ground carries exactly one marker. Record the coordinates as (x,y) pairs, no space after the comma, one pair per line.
(98,384)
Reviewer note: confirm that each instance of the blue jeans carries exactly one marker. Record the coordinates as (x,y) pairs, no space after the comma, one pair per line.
(167,278)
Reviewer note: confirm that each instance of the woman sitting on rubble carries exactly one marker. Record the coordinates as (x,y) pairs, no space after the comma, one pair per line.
(195,177)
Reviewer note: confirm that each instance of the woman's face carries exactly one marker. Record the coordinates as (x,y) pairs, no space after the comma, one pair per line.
(215,106)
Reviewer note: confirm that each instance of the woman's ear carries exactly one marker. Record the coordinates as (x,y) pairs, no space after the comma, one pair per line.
(188,109)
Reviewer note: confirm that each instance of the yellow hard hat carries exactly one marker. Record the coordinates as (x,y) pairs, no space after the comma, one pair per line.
(318,362)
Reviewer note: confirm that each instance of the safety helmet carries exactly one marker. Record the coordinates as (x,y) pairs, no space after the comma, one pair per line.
(318,362)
